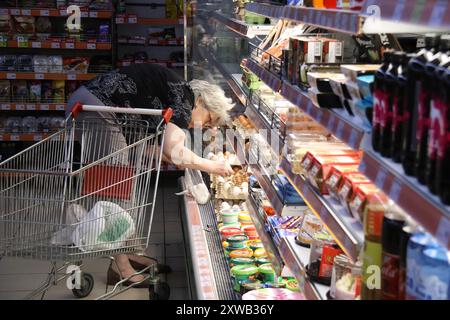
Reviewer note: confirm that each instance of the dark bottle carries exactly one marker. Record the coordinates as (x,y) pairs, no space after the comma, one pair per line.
(405,235)
(398,109)
(443,153)
(386,107)
(437,120)
(390,267)
(378,99)
(423,122)
(416,71)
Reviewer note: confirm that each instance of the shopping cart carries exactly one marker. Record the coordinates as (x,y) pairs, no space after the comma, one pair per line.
(83,193)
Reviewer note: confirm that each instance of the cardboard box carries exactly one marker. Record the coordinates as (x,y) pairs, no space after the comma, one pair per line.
(353,71)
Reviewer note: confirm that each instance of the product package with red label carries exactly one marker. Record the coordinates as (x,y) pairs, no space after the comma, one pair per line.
(350,181)
(335,178)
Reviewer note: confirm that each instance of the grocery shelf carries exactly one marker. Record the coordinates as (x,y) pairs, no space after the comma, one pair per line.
(70,45)
(346,230)
(409,194)
(26,106)
(242,28)
(336,20)
(296,259)
(271,249)
(46,76)
(205,256)
(153,42)
(28,137)
(347,128)
(133,19)
(407,16)
(60,12)
(168,64)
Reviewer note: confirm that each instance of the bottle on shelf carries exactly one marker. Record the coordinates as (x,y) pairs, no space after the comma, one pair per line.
(379,97)
(386,115)
(442,176)
(398,109)
(423,125)
(438,121)
(416,72)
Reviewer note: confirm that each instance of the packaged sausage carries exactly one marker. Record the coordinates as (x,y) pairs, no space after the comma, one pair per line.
(348,185)
(321,166)
(325,150)
(336,176)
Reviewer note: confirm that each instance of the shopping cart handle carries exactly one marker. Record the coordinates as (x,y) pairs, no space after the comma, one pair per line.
(167,114)
(76,109)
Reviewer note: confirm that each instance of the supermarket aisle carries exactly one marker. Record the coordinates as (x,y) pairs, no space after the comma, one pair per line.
(18,277)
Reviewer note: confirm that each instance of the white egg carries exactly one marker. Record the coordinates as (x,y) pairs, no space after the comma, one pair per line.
(236,192)
(225,205)
(220,179)
(236,207)
(226,186)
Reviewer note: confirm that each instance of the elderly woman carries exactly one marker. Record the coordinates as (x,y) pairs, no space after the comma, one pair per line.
(151,86)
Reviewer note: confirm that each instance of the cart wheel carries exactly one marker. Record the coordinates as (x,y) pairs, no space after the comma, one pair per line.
(160,291)
(87,285)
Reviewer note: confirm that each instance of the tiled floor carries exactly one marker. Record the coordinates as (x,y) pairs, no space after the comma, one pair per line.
(19,277)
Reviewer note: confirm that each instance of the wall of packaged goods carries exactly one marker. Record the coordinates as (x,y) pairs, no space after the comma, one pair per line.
(43,61)
(343,145)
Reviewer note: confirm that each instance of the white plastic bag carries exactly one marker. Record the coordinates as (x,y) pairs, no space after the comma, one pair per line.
(74,214)
(106,226)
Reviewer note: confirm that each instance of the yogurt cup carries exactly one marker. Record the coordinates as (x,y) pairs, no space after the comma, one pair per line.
(267,273)
(238,241)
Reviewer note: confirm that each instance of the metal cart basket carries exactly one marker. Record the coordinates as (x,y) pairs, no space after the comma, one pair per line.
(83,193)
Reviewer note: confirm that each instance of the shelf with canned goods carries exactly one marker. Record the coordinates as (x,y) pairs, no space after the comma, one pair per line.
(135,20)
(424,207)
(32,106)
(11,75)
(53,12)
(241,27)
(54,43)
(345,229)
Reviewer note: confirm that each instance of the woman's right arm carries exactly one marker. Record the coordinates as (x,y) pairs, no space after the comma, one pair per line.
(174,149)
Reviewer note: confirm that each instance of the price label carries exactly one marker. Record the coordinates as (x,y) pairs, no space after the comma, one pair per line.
(132,19)
(44,13)
(20,107)
(26,12)
(340,129)
(120,20)
(45,107)
(56,45)
(22,42)
(153,41)
(443,231)
(172,42)
(36,44)
(15,12)
(319,116)
(37,137)
(6,106)
(438,14)
(39,76)
(353,137)
(71,76)
(60,107)
(69,45)
(4,11)
(10,76)
(31,107)
(92,46)
(396,188)
(84,14)
(331,122)
(381,178)
(62,13)
(93,14)
(14,137)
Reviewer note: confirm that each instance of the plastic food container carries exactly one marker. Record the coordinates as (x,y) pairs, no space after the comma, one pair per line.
(241,253)
(229,217)
(250,285)
(244,218)
(227,232)
(310,225)
(255,244)
(238,241)
(241,261)
(292,285)
(250,232)
(267,273)
(261,261)
(243,273)
(260,253)
(346,279)
(279,285)
(323,251)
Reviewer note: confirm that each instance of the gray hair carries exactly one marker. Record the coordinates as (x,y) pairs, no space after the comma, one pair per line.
(215,100)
